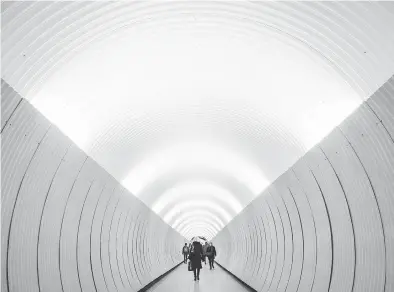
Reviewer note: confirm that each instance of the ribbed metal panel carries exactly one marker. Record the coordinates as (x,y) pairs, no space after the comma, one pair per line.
(8,105)
(352,41)
(67,225)
(345,34)
(327,223)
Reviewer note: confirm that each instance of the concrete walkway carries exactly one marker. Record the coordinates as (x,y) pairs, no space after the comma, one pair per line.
(181,280)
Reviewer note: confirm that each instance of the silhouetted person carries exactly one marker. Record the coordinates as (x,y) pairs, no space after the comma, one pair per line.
(185,252)
(211,253)
(195,256)
(204,251)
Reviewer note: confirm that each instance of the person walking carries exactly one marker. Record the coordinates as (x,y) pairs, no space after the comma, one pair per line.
(211,253)
(185,252)
(195,256)
(204,250)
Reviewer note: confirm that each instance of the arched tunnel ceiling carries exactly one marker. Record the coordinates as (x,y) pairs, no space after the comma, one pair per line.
(196,106)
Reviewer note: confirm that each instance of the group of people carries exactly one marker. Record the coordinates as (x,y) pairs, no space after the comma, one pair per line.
(197,253)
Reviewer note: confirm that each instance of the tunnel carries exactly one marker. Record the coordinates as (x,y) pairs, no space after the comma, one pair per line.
(132,128)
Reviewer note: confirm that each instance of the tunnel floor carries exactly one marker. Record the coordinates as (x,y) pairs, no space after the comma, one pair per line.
(181,279)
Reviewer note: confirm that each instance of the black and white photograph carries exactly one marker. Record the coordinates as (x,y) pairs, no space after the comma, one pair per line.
(197,146)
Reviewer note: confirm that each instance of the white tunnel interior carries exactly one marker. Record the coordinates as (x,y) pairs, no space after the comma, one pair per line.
(129,127)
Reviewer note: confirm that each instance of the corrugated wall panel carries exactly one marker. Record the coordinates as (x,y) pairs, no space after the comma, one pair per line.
(374,148)
(348,36)
(21,139)
(67,225)
(96,243)
(28,210)
(52,213)
(327,223)
(8,105)
(84,234)
(321,230)
(368,248)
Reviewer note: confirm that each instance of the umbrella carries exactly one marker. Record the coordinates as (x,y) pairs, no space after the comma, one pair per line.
(200,239)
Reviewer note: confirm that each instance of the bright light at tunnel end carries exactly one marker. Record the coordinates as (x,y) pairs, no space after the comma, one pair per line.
(192,84)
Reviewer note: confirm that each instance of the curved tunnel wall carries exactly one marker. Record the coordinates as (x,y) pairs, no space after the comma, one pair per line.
(67,225)
(327,224)
(231,59)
